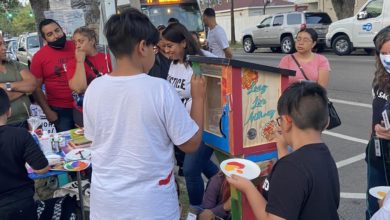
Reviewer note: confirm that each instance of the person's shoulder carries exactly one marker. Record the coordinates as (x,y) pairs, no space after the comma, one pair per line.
(320,57)
(14,131)
(70,45)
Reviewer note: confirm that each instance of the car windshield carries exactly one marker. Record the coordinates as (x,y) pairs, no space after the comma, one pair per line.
(187,14)
(317,18)
(32,42)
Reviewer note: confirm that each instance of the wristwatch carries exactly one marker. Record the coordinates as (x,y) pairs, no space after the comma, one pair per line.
(8,86)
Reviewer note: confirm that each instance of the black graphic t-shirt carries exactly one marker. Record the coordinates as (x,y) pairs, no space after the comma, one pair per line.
(304,185)
(179,76)
(378,105)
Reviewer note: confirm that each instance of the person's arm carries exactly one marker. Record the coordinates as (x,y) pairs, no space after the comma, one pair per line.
(255,199)
(382,132)
(228,53)
(198,91)
(26,85)
(40,97)
(14,95)
(323,72)
(33,155)
(78,82)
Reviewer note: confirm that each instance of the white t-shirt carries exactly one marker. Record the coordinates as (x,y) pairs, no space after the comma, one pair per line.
(132,122)
(217,41)
(180,78)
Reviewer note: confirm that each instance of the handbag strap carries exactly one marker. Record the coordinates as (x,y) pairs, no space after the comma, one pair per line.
(299,66)
(89,63)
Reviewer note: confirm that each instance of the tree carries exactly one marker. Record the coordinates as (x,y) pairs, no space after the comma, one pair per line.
(343,8)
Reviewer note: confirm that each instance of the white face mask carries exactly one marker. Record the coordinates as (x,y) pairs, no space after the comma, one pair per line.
(385,59)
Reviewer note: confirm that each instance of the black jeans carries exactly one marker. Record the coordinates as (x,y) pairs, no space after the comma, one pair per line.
(378,172)
(19,210)
(65,119)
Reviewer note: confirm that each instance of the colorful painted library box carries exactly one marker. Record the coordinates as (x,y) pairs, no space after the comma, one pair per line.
(240,114)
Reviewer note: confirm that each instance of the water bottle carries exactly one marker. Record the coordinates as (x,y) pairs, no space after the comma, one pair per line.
(46,143)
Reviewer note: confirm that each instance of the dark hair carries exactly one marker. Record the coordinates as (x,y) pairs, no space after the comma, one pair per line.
(209,12)
(178,33)
(161,27)
(307,104)
(381,78)
(313,34)
(4,102)
(45,22)
(87,32)
(173,20)
(125,30)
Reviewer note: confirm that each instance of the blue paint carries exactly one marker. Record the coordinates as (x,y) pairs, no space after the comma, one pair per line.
(257,88)
(259,115)
(258,103)
(262,157)
(367,27)
(220,142)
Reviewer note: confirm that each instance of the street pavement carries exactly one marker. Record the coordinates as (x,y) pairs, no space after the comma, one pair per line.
(350,90)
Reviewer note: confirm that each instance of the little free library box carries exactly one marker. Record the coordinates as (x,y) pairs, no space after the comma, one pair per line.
(241,105)
(240,115)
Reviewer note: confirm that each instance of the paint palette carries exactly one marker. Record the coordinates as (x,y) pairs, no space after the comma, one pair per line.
(241,167)
(78,165)
(379,192)
(79,131)
(78,154)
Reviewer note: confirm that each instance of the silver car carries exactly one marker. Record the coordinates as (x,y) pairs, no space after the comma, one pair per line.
(28,45)
(279,30)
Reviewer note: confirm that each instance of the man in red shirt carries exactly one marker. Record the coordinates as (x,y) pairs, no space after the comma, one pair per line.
(49,67)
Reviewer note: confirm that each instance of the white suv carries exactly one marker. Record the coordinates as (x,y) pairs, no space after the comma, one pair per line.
(279,30)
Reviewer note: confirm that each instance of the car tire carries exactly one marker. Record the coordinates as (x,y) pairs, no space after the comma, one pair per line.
(287,45)
(342,45)
(248,45)
(275,49)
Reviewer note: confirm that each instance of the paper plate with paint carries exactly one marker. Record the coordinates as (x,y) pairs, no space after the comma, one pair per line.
(240,167)
(79,131)
(78,154)
(77,165)
(379,192)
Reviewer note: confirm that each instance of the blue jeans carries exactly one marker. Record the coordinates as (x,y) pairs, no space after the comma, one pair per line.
(65,119)
(194,165)
(378,172)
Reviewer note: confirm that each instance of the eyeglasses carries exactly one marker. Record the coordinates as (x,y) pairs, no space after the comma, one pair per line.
(304,40)
(279,120)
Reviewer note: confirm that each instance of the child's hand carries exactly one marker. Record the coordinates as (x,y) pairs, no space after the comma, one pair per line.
(242,184)
(207,214)
(198,87)
(382,132)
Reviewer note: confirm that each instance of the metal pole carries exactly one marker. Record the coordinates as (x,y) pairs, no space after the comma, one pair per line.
(80,195)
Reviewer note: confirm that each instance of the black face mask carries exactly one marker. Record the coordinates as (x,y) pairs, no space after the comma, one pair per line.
(59,43)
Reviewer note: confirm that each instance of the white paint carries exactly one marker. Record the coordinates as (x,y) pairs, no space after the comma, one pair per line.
(345,195)
(345,137)
(351,103)
(351,160)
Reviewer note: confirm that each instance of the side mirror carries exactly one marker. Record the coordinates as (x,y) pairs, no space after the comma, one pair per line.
(21,49)
(362,15)
(260,26)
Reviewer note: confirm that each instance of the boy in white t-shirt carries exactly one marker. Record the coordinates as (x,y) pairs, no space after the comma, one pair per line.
(133,120)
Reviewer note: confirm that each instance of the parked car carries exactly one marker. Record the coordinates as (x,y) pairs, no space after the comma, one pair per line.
(28,45)
(12,47)
(348,34)
(279,30)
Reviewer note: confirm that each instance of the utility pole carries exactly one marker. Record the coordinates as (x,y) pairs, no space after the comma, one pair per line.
(233,32)
(266,2)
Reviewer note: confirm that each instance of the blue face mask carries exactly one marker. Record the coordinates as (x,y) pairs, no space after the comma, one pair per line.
(385,59)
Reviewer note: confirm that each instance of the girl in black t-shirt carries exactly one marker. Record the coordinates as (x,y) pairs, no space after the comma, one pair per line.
(378,149)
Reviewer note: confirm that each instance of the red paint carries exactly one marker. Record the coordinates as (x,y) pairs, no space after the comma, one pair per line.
(237,113)
(165,181)
(237,164)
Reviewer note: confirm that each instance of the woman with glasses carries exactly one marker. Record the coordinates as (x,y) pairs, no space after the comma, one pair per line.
(307,64)
(86,66)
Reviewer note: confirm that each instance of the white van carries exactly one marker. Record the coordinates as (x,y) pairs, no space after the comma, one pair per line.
(359,31)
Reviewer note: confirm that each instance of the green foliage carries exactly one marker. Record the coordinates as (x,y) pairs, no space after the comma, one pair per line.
(15,18)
